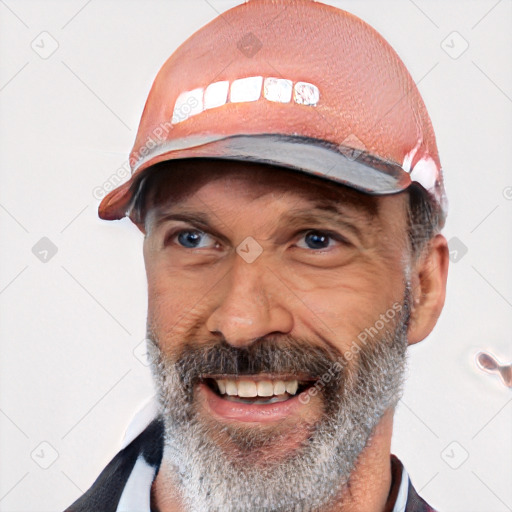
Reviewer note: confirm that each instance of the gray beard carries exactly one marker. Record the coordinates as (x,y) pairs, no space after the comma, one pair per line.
(221,468)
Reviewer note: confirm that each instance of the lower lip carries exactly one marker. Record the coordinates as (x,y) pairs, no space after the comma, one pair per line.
(246,412)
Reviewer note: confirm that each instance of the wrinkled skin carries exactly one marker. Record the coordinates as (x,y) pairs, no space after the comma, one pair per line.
(322,280)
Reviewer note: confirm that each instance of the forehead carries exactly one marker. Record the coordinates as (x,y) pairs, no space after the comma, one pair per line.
(181,183)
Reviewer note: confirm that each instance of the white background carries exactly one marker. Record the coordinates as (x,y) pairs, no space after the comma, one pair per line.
(69,326)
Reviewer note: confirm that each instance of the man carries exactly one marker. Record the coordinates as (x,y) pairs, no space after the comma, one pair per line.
(287,181)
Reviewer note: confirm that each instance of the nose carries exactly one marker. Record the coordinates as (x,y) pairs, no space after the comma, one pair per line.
(249,305)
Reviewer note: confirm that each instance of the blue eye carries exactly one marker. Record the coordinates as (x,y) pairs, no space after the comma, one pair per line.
(316,240)
(193,239)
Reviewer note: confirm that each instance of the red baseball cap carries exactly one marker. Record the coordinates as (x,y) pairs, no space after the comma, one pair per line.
(296,84)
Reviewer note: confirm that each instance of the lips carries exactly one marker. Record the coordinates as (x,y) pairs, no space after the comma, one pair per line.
(259,398)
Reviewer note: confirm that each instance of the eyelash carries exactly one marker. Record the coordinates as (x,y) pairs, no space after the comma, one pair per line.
(330,234)
(175,233)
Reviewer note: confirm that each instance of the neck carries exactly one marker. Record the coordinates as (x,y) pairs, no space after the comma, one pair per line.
(367,490)
(370,482)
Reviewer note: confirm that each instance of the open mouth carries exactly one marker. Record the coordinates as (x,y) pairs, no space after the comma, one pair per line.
(256,390)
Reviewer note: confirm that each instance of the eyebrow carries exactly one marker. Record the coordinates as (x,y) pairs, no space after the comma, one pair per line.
(339,207)
(317,211)
(331,211)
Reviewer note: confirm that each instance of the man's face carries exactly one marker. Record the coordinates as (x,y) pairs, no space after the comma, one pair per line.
(278,309)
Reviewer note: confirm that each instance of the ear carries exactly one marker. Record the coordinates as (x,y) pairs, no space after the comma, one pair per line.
(428,279)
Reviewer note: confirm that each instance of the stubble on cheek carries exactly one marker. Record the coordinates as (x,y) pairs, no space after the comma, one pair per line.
(168,328)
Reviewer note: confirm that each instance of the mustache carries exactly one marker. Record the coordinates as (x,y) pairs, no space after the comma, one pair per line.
(273,355)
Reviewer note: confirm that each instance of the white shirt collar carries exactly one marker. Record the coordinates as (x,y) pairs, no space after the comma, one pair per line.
(403,492)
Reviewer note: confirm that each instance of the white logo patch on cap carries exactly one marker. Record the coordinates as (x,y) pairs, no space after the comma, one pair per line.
(189,103)
(278,90)
(216,94)
(248,89)
(306,94)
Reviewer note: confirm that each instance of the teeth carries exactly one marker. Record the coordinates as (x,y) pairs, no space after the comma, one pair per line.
(291,387)
(279,387)
(250,389)
(265,388)
(231,387)
(247,389)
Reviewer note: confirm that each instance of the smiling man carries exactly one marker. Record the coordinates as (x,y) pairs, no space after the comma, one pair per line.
(287,182)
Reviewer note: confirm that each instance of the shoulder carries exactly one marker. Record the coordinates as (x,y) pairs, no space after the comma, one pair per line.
(106,491)
(403,495)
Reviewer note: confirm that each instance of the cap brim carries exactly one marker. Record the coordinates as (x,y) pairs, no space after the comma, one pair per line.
(348,166)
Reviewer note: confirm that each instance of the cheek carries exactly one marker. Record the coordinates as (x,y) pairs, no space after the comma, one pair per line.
(177,303)
(339,305)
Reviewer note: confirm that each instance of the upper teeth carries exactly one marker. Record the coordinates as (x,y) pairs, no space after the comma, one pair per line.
(250,388)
